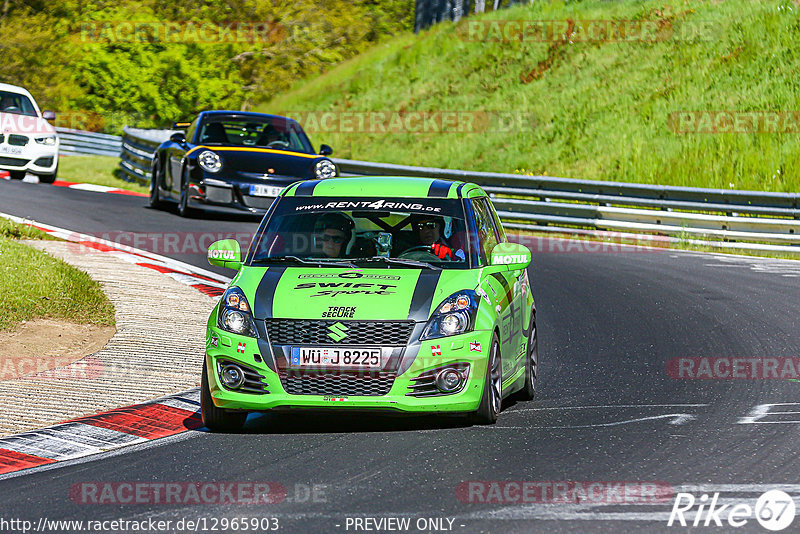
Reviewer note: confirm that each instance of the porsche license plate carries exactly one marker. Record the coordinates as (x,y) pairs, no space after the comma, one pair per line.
(336,358)
(265,190)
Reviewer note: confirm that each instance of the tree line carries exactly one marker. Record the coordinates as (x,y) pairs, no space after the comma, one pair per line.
(102,64)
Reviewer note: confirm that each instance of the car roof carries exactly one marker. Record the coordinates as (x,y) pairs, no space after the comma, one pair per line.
(16,89)
(242,114)
(384,186)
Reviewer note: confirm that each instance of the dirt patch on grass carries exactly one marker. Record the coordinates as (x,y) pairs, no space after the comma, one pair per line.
(50,348)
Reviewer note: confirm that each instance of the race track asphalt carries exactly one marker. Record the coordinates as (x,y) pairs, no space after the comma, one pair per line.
(606,411)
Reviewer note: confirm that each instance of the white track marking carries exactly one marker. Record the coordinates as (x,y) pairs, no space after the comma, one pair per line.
(602,406)
(677,419)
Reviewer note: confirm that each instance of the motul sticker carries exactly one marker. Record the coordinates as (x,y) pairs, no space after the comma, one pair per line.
(508,259)
(221,255)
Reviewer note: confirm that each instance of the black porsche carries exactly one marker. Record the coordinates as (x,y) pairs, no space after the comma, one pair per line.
(234,159)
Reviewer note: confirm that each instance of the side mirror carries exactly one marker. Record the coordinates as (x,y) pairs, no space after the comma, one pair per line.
(225,253)
(325,150)
(511,255)
(180,125)
(49,115)
(178,137)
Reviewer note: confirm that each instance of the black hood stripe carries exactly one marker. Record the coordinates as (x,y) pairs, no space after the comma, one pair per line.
(306,189)
(265,294)
(439,189)
(506,287)
(423,295)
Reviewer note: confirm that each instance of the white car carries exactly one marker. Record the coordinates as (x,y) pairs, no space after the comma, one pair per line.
(28,143)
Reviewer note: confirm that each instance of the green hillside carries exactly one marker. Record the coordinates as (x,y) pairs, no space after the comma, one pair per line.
(605,109)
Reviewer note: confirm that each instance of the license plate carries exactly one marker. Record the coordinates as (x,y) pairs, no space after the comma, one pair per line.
(265,190)
(336,358)
(10,150)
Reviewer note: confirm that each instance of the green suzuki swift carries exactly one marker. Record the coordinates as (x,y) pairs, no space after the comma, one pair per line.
(372,294)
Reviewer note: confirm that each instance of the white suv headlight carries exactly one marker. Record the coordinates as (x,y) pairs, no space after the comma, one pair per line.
(49,140)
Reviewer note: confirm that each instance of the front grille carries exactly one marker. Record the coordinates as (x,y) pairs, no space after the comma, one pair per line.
(2,138)
(13,162)
(253,380)
(17,140)
(218,194)
(257,202)
(424,385)
(313,332)
(337,385)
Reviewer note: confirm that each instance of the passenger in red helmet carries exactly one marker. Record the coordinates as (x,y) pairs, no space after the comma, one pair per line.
(430,230)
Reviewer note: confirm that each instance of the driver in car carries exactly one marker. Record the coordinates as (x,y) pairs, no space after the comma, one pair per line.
(333,232)
(271,136)
(6,102)
(430,230)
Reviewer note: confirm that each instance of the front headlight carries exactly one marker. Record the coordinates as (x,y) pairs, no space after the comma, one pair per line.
(209,161)
(325,169)
(235,315)
(49,141)
(455,315)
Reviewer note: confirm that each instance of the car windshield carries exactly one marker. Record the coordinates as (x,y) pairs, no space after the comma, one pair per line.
(263,132)
(17,104)
(365,232)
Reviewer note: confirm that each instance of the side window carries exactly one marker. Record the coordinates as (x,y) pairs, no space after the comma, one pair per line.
(498,226)
(190,131)
(487,238)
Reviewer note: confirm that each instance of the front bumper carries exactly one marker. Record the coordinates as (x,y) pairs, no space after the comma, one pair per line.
(448,351)
(235,193)
(33,157)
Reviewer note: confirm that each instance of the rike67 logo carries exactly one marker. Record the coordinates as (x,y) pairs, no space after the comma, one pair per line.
(774,510)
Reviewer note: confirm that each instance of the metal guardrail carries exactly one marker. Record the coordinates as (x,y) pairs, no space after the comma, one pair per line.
(80,143)
(138,148)
(547,203)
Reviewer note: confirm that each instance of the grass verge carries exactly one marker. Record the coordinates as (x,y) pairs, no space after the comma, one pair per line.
(35,285)
(99,170)
(12,230)
(590,108)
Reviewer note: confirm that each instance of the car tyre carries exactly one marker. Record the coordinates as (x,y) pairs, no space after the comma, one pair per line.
(183,204)
(217,419)
(528,391)
(155,194)
(492,398)
(16,175)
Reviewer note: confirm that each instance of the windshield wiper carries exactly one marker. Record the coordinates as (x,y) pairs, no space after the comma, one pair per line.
(401,261)
(309,261)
